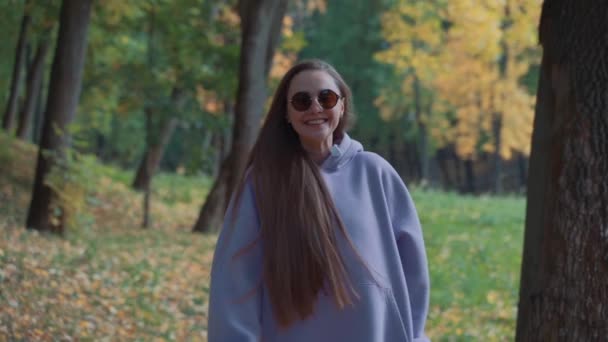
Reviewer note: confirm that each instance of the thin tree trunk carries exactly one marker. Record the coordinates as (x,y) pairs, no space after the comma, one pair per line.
(157,142)
(564,292)
(498,116)
(498,172)
(425,157)
(8,121)
(261,28)
(422,132)
(39,112)
(34,79)
(64,93)
(154,153)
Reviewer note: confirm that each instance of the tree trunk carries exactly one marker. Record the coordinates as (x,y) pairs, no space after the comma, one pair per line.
(39,112)
(34,79)
(564,292)
(157,142)
(64,92)
(260,30)
(10,112)
(423,144)
(425,158)
(498,116)
(498,172)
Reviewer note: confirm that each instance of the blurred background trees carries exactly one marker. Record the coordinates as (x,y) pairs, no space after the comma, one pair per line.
(443,90)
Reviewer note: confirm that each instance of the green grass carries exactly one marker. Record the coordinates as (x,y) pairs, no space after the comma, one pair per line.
(166,187)
(114,280)
(474,247)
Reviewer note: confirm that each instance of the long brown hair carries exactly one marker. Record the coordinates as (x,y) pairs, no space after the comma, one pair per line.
(297,215)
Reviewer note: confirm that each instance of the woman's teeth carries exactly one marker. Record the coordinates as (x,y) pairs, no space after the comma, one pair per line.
(316,122)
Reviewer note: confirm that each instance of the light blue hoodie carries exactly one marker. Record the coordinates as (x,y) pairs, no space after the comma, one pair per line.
(381,220)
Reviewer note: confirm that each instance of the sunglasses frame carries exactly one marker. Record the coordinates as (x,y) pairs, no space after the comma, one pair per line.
(310,99)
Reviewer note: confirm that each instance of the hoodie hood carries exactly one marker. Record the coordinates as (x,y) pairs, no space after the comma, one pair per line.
(341,154)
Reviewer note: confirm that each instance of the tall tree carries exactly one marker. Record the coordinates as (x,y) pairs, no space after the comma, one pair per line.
(32,88)
(563,293)
(64,93)
(261,23)
(10,112)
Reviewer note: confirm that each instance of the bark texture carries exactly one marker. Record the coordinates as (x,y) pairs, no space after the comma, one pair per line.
(564,291)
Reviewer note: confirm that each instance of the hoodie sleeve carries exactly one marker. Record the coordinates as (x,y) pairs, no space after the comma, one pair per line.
(236,275)
(412,252)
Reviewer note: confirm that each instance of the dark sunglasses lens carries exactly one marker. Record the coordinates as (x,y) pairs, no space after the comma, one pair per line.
(301,101)
(328,99)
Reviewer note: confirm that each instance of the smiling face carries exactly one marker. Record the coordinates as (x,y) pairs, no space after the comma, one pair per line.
(315,125)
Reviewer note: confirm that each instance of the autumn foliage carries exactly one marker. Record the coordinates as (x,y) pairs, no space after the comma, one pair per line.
(470,58)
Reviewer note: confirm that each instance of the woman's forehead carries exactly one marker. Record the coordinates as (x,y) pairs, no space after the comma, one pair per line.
(312,81)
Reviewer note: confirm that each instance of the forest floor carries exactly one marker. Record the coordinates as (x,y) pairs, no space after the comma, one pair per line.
(110,279)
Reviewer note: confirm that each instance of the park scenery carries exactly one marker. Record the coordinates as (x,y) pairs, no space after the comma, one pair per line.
(127,124)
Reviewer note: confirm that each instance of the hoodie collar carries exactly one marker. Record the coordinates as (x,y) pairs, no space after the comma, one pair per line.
(341,153)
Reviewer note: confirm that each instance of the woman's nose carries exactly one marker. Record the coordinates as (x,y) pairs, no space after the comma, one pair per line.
(316,106)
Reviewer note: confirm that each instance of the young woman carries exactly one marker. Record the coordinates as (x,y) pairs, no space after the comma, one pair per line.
(321,241)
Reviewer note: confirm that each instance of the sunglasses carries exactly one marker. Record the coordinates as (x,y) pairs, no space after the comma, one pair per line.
(301,101)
